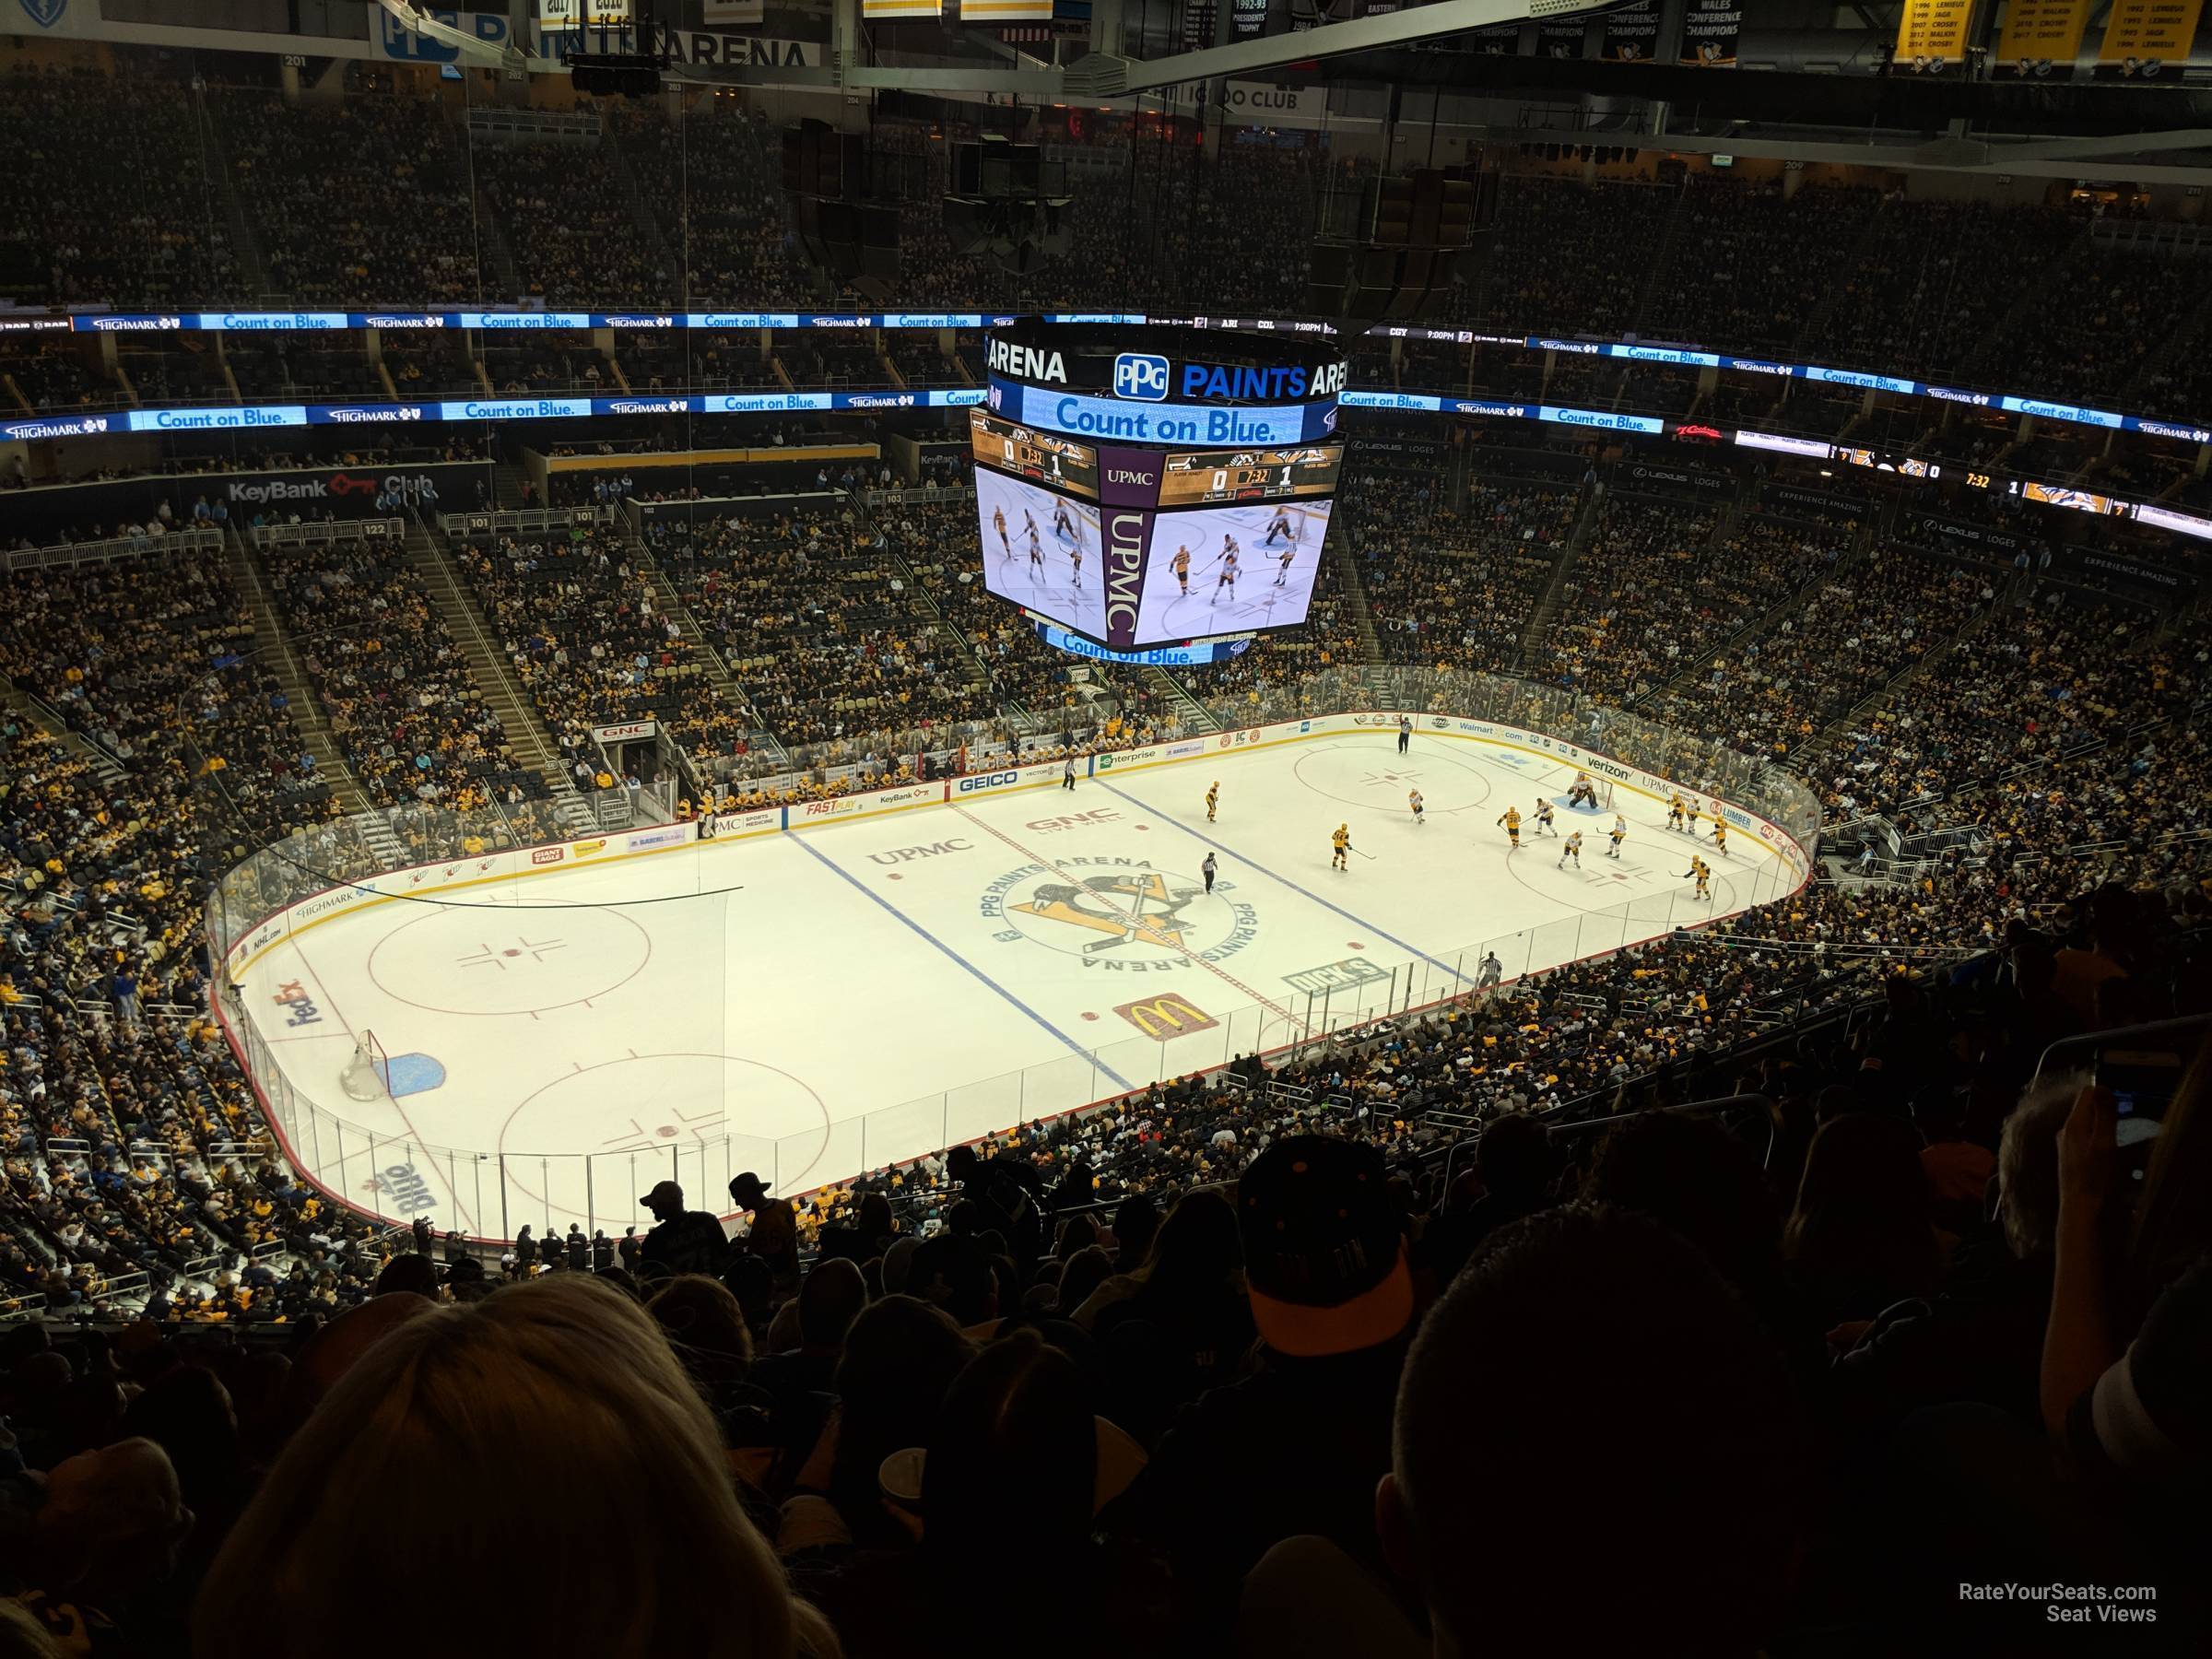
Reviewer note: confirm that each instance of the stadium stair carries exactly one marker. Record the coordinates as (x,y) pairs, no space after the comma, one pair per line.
(276,652)
(1548,607)
(519,726)
(245,247)
(1355,601)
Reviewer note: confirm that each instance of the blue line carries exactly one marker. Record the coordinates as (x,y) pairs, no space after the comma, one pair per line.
(1074,1046)
(1274,874)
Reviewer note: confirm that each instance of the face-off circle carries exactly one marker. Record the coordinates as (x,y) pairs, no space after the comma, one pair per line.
(645,1104)
(483,961)
(1369,774)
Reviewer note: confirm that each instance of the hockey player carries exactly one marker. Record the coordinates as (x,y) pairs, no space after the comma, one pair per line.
(1036,551)
(1582,793)
(1701,873)
(1229,569)
(998,522)
(1510,818)
(1075,558)
(1690,809)
(1213,796)
(1061,524)
(1288,554)
(1413,799)
(1405,732)
(1720,838)
(1182,570)
(1341,842)
(1206,870)
(1278,526)
(1571,848)
(1674,812)
(1619,833)
(1544,823)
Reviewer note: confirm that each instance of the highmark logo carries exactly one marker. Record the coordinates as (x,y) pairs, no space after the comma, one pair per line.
(1119,914)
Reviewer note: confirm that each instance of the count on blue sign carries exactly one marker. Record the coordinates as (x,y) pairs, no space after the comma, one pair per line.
(1140,374)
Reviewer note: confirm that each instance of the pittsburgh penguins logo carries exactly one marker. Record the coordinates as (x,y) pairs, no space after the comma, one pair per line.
(1129,916)
(1137,908)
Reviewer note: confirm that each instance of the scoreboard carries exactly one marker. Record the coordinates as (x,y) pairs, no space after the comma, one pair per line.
(1197,477)
(1056,462)
(1155,489)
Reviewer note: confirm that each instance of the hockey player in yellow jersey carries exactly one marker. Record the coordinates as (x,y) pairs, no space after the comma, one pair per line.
(1510,818)
(1619,833)
(1674,812)
(1720,838)
(1701,872)
(1341,841)
(1571,848)
(1213,797)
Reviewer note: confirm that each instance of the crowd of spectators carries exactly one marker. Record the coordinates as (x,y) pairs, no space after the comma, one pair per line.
(1854,626)
(805,608)
(358,201)
(111,198)
(592,642)
(396,693)
(1456,587)
(567,212)
(715,179)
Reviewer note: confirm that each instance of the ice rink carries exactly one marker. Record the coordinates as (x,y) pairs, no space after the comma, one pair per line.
(811,1004)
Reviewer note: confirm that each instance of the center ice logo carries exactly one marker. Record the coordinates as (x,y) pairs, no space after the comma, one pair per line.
(1127,918)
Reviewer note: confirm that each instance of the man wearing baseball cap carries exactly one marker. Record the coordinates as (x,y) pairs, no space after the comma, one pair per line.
(1299,1446)
(682,1241)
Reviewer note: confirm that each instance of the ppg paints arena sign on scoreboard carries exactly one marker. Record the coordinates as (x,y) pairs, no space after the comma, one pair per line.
(1165,385)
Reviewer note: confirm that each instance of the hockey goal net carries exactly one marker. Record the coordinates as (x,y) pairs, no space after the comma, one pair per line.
(368,1076)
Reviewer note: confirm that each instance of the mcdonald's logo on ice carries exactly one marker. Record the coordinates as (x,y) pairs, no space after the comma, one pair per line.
(1161,1017)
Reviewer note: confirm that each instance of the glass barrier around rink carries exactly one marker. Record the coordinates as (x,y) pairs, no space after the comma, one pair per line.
(365,1154)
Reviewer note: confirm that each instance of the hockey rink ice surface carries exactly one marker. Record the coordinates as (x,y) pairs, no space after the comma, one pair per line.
(810,1004)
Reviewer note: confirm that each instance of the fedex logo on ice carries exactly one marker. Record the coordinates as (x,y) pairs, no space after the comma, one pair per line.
(1140,374)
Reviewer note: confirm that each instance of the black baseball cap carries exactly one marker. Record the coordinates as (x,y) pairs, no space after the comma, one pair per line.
(1324,1247)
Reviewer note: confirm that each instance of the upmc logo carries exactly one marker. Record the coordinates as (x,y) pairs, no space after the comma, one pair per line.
(1140,374)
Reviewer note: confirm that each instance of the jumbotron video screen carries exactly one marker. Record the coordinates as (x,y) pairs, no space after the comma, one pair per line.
(1205,543)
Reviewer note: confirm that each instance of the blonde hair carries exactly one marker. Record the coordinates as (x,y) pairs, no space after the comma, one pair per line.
(439,1456)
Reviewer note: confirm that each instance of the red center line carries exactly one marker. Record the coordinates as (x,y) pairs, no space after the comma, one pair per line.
(1136,923)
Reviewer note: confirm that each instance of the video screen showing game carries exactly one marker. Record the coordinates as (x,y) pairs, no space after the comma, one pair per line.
(1228,569)
(1043,551)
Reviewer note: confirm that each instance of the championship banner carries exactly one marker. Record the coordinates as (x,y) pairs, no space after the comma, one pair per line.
(1631,34)
(2146,38)
(890,11)
(1500,40)
(1931,35)
(1561,37)
(1710,30)
(2040,39)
